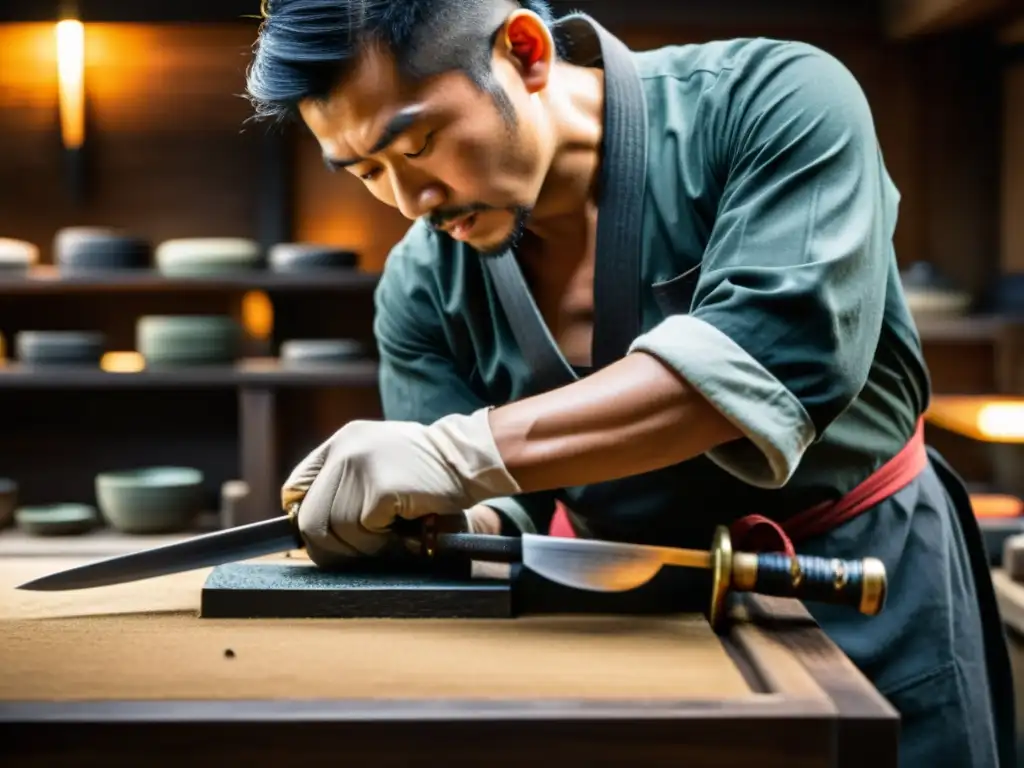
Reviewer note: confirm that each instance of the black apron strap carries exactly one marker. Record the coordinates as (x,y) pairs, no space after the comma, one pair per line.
(548,369)
(617,318)
(617,315)
(997,656)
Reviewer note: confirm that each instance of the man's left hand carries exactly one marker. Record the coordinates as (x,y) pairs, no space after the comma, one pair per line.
(351,488)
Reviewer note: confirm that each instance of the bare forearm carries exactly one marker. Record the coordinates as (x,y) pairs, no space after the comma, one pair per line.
(634,416)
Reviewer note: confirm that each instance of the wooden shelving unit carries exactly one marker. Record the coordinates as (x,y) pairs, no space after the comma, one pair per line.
(255,372)
(47,280)
(250,421)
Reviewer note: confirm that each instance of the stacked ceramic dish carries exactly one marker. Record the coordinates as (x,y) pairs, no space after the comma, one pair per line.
(182,340)
(57,519)
(17,256)
(931,295)
(59,347)
(150,500)
(200,257)
(302,257)
(88,249)
(305,352)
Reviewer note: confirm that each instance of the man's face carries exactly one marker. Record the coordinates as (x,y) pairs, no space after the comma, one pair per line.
(440,149)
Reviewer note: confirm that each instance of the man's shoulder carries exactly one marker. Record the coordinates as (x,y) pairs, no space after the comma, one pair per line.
(716,93)
(741,57)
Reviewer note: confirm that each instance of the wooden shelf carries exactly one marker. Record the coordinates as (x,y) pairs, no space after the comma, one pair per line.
(46,279)
(965,329)
(256,372)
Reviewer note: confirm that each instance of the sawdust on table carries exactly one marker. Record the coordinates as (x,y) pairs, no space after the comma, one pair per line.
(145,641)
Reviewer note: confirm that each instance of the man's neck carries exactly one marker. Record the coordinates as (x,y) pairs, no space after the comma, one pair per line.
(575,106)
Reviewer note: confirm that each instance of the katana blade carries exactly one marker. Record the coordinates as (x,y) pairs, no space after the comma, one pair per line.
(231,545)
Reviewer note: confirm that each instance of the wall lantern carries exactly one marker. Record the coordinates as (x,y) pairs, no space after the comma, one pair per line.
(70,41)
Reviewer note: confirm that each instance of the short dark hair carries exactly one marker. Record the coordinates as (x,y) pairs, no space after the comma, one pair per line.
(306,47)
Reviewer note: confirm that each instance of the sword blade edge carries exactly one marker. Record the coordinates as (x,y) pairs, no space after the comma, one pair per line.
(227,546)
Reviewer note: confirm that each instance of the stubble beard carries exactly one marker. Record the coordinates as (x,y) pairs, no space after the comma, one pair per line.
(520,216)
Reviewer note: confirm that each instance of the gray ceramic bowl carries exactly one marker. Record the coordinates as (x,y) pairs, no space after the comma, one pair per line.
(170,340)
(8,500)
(59,347)
(57,519)
(84,249)
(198,257)
(313,351)
(150,500)
(302,257)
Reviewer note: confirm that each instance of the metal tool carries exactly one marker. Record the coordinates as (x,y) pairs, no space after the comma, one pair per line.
(608,566)
(601,566)
(279,534)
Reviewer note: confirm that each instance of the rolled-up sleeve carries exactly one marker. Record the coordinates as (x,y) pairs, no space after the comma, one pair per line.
(788,307)
(421,381)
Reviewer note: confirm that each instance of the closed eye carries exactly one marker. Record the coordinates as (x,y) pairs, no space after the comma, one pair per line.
(426,146)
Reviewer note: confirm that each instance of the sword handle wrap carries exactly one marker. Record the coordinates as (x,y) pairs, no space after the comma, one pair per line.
(860,584)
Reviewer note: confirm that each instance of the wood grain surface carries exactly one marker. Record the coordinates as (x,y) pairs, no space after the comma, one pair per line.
(144,641)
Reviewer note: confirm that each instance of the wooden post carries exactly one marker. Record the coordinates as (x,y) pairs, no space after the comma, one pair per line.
(1011,259)
(258,438)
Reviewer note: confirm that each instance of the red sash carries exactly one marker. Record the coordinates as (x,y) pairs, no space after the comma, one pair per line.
(756,533)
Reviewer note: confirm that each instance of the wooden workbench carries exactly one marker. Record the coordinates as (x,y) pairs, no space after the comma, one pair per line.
(130,675)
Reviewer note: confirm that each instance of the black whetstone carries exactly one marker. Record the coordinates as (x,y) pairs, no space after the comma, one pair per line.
(265,590)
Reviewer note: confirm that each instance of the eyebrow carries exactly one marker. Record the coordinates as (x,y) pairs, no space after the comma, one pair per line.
(399,123)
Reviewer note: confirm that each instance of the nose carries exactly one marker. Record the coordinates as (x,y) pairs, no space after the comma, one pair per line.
(416,199)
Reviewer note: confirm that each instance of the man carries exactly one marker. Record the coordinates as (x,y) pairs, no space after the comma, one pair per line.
(657,287)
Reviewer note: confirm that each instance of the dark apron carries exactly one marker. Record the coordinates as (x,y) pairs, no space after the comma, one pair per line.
(997,657)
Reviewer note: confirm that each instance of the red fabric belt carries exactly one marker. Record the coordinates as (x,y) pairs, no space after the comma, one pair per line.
(756,533)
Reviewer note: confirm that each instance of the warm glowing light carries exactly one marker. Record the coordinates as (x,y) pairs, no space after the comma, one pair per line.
(987,418)
(990,505)
(122,362)
(71,81)
(1002,421)
(257,314)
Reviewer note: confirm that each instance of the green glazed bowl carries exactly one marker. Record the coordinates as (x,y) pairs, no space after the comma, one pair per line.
(150,500)
(188,339)
(56,519)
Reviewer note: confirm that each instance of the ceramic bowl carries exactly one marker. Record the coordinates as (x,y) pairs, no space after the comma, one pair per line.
(301,257)
(8,501)
(59,347)
(197,257)
(167,340)
(321,351)
(17,256)
(86,249)
(56,519)
(151,499)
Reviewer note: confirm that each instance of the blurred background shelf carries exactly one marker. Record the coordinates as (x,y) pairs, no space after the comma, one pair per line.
(984,328)
(257,372)
(49,280)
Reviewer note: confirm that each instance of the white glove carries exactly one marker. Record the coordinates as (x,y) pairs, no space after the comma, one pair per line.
(352,487)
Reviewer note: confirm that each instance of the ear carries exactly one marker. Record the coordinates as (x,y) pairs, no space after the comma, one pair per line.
(529,45)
